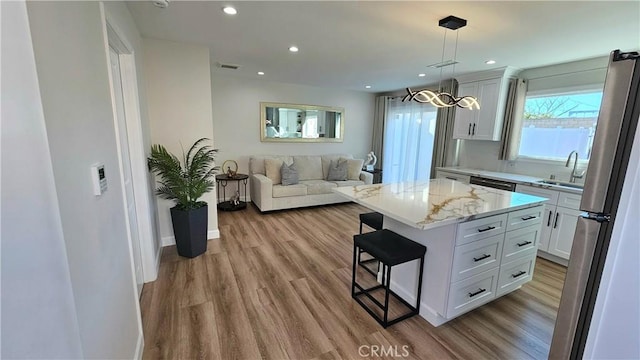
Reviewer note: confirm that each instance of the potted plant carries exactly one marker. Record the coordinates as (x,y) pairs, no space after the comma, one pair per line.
(185,182)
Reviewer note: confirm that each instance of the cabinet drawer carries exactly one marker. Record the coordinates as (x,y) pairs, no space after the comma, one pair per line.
(525,217)
(481,229)
(470,293)
(521,242)
(552,195)
(452,176)
(476,257)
(571,201)
(514,274)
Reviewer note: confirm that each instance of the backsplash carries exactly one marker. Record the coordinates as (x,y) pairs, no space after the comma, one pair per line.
(484,155)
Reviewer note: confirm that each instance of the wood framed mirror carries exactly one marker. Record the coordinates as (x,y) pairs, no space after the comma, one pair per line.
(300,123)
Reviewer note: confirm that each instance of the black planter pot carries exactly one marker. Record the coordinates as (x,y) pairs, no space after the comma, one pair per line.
(190,230)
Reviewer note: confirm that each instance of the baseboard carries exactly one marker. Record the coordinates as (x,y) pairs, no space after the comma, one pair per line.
(170,240)
(426,312)
(553,258)
(139,347)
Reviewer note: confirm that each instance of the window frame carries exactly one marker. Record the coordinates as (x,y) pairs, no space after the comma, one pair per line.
(547,93)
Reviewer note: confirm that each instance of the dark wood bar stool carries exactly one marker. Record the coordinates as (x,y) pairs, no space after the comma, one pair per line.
(373,220)
(390,249)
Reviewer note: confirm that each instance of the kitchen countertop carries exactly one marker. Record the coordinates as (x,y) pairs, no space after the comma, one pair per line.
(437,202)
(515,178)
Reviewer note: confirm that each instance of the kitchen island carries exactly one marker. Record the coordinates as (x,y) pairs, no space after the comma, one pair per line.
(481,242)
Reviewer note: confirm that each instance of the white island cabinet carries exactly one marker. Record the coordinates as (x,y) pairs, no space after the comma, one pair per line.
(481,242)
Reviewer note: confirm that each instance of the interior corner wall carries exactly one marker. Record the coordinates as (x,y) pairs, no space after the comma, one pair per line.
(118,16)
(38,311)
(179,99)
(236,117)
(72,66)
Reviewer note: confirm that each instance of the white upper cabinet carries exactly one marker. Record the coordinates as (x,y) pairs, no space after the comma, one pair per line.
(490,88)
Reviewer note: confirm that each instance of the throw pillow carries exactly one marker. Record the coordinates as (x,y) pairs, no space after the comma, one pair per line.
(272,170)
(289,174)
(337,170)
(354,167)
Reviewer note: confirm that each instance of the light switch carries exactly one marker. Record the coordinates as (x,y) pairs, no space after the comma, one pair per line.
(99,179)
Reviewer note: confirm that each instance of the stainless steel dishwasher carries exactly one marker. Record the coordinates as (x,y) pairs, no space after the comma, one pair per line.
(496,184)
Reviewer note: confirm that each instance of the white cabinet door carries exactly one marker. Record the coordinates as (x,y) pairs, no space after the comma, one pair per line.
(547,225)
(485,127)
(465,118)
(564,227)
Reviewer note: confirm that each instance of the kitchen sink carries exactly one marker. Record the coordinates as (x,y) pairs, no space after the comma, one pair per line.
(561,183)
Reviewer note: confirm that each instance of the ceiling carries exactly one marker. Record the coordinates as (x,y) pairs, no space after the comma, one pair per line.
(350,44)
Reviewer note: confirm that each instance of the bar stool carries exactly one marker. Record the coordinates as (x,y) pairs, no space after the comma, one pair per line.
(373,220)
(390,249)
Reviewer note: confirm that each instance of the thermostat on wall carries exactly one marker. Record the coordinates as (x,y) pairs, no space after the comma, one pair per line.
(99,179)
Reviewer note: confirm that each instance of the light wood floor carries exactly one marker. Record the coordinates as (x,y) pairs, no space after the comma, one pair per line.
(277,286)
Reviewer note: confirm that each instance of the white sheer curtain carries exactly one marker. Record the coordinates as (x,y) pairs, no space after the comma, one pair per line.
(408,141)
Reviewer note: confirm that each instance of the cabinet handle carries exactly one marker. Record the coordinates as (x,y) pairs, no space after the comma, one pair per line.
(450,178)
(484,256)
(486,229)
(480,291)
(528,218)
(473,132)
(518,274)
(549,220)
(523,243)
(555,223)
(469,132)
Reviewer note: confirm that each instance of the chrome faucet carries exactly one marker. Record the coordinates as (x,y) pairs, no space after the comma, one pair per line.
(574,175)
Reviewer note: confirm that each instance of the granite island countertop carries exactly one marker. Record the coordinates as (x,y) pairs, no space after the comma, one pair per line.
(437,202)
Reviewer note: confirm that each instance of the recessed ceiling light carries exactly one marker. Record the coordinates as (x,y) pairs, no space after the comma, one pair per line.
(260,73)
(422,75)
(293,49)
(229,10)
(490,62)
(367,87)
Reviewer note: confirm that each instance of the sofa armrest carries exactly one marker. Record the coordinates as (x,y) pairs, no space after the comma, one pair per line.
(366,177)
(262,192)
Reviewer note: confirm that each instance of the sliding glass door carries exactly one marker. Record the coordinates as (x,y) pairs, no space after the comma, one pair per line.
(408,141)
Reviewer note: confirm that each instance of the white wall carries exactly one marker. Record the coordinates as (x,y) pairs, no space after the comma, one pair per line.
(179,99)
(484,154)
(71,60)
(38,310)
(119,18)
(236,117)
(615,326)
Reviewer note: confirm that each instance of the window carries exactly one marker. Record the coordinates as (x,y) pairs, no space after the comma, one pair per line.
(408,141)
(555,124)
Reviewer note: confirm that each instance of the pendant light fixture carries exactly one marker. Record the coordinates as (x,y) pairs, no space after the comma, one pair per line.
(438,98)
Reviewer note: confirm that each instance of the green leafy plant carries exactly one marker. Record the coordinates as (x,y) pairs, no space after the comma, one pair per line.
(186,181)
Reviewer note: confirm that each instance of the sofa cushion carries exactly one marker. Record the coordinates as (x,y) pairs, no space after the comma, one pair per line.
(256,163)
(315,187)
(290,190)
(309,167)
(348,183)
(337,170)
(354,167)
(326,161)
(272,170)
(289,174)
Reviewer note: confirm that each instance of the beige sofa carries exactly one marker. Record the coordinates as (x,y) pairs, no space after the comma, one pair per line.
(268,193)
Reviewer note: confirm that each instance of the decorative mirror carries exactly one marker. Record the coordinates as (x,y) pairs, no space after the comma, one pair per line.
(300,123)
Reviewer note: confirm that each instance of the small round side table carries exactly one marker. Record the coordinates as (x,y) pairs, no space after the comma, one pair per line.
(228,205)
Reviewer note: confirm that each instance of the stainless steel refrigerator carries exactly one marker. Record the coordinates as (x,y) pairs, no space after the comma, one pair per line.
(615,129)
